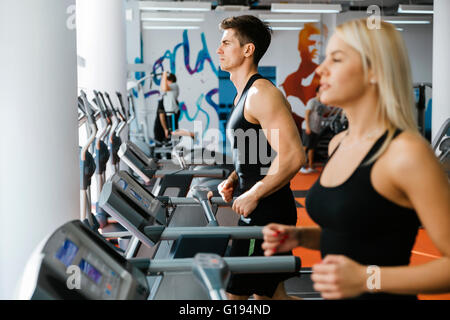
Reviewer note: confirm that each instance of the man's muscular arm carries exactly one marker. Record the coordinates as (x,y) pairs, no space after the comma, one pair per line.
(267,106)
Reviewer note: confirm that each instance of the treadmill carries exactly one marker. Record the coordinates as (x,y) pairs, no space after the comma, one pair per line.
(76,263)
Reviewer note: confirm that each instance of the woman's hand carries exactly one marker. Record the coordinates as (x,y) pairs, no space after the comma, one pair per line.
(338,277)
(280,238)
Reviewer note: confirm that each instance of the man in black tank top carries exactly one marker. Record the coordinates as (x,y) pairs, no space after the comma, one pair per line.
(260,124)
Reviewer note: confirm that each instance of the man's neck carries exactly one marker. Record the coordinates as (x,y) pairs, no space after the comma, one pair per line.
(241,76)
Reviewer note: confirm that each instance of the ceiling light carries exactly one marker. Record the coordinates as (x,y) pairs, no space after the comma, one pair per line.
(286,28)
(174,6)
(407,20)
(232,8)
(415,9)
(305,8)
(158,27)
(169,25)
(171,16)
(271,18)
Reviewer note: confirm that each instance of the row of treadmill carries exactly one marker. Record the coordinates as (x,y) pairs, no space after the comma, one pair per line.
(153,232)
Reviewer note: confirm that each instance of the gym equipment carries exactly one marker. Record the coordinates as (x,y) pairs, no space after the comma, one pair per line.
(145,216)
(441,146)
(421,105)
(147,168)
(87,165)
(101,155)
(332,124)
(76,263)
(213,273)
(113,121)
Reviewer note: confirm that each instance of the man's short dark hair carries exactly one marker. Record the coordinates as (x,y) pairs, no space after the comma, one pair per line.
(171,77)
(249,29)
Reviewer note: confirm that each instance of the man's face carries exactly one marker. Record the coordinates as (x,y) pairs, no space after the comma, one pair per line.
(230,51)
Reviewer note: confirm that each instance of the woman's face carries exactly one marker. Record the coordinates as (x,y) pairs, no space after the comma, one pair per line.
(342,79)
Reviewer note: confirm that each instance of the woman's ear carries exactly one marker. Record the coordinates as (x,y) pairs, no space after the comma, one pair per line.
(371,76)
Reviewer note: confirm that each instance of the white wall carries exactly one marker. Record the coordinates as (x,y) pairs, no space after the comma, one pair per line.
(282,53)
(419,42)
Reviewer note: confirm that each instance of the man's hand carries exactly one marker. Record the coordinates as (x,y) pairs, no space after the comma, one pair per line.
(226,189)
(246,203)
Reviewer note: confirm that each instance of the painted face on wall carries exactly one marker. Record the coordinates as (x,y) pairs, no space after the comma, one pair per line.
(341,74)
(308,42)
(230,51)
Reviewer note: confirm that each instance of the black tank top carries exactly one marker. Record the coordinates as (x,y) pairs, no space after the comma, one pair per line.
(252,153)
(361,224)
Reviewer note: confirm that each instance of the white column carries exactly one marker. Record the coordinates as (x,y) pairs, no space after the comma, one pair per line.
(102,47)
(441,65)
(39,167)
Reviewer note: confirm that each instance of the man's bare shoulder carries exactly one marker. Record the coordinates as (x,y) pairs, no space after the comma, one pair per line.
(265,86)
(263,92)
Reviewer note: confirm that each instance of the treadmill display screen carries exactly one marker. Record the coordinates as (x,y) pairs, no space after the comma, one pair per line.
(90,271)
(67,252)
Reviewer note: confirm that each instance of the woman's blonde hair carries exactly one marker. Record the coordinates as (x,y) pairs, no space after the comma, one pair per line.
(383,51)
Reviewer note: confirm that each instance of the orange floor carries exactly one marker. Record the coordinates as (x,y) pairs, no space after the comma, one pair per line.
(423,251)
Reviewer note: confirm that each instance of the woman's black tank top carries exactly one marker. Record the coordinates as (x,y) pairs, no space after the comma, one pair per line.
(361,224)
(252,153)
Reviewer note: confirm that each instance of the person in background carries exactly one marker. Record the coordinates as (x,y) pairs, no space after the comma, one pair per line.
(311,128)
(170,102)
(381,182)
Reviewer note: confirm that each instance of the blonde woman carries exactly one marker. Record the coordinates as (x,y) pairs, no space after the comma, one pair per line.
(381,182)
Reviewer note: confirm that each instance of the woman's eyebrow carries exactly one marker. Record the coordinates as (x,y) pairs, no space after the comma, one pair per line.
(337,51)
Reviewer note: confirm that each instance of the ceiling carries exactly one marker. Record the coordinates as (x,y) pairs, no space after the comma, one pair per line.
(387,6)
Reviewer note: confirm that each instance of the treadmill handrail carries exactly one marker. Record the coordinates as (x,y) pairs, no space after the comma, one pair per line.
(272,264)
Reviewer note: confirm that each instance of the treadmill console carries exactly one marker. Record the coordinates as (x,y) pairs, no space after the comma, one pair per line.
(132,206)
(137,161)
(76,263)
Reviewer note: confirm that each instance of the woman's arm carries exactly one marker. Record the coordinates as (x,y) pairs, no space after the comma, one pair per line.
(414,172)
(164,85)
(283,238)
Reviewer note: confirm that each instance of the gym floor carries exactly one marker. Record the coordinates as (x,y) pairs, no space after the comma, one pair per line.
(423,251)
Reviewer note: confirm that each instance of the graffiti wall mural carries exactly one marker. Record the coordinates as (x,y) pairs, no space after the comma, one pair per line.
(302,83)
(191,56)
